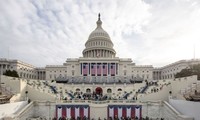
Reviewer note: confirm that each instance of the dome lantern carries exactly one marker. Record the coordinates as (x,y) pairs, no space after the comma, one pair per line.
(99,23)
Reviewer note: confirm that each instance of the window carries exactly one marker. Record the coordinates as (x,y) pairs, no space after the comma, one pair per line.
(78,90)
(88,90)
(119,89)
(109,90)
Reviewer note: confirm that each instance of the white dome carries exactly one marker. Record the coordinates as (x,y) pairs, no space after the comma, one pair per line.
(99,32)
(99,42)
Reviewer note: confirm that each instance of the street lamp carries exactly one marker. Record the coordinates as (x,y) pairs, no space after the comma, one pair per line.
(26,95)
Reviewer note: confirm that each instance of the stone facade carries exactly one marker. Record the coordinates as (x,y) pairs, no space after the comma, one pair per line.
(46,110)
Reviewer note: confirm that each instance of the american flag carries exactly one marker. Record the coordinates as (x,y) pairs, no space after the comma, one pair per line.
(98,68)
(85,68)
(93,68)
(105,69)
(131,111)
(112,69)
(72,111)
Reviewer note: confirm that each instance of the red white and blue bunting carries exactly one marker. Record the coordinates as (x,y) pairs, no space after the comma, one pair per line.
(131,111)
(72,111)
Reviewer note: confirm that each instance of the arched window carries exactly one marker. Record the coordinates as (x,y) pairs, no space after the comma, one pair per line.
(119,89)
(78,90)
(109,90)
(88,90)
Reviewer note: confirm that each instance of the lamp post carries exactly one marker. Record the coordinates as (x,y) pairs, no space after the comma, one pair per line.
(26,95)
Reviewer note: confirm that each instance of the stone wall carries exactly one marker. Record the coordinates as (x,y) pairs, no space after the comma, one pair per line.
(151,109)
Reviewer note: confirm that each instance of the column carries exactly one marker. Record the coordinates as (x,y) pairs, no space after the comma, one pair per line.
(96,69)
(40,75)
(6,67)
(101,69)
(81,68)
(1,69)
(89,69)
(116,69)
(43,75)
(107,69)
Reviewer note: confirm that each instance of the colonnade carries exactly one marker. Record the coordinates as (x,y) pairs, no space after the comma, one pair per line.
(41,75)
(107,67)
(99,53)
(3,67)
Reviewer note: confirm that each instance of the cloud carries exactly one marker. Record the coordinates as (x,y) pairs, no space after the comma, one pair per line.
(150,32)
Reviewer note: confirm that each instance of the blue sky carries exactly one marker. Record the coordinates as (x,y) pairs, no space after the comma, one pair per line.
(151,32)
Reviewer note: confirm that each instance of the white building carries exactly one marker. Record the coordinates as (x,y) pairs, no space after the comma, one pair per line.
(99,62)
(24,70)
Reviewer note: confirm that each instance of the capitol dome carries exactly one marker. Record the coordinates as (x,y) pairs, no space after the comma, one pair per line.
(99,43)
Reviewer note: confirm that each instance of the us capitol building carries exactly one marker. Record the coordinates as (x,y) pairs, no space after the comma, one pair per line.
(98,85)
(99,63)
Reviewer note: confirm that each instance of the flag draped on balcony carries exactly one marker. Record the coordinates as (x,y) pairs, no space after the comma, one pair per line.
(99,69)
(72,111)
(85,69)
(112,69)
(131,111)
(105,69)
(93,69)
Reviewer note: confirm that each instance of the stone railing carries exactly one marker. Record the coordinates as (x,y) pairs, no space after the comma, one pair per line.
(97,102)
